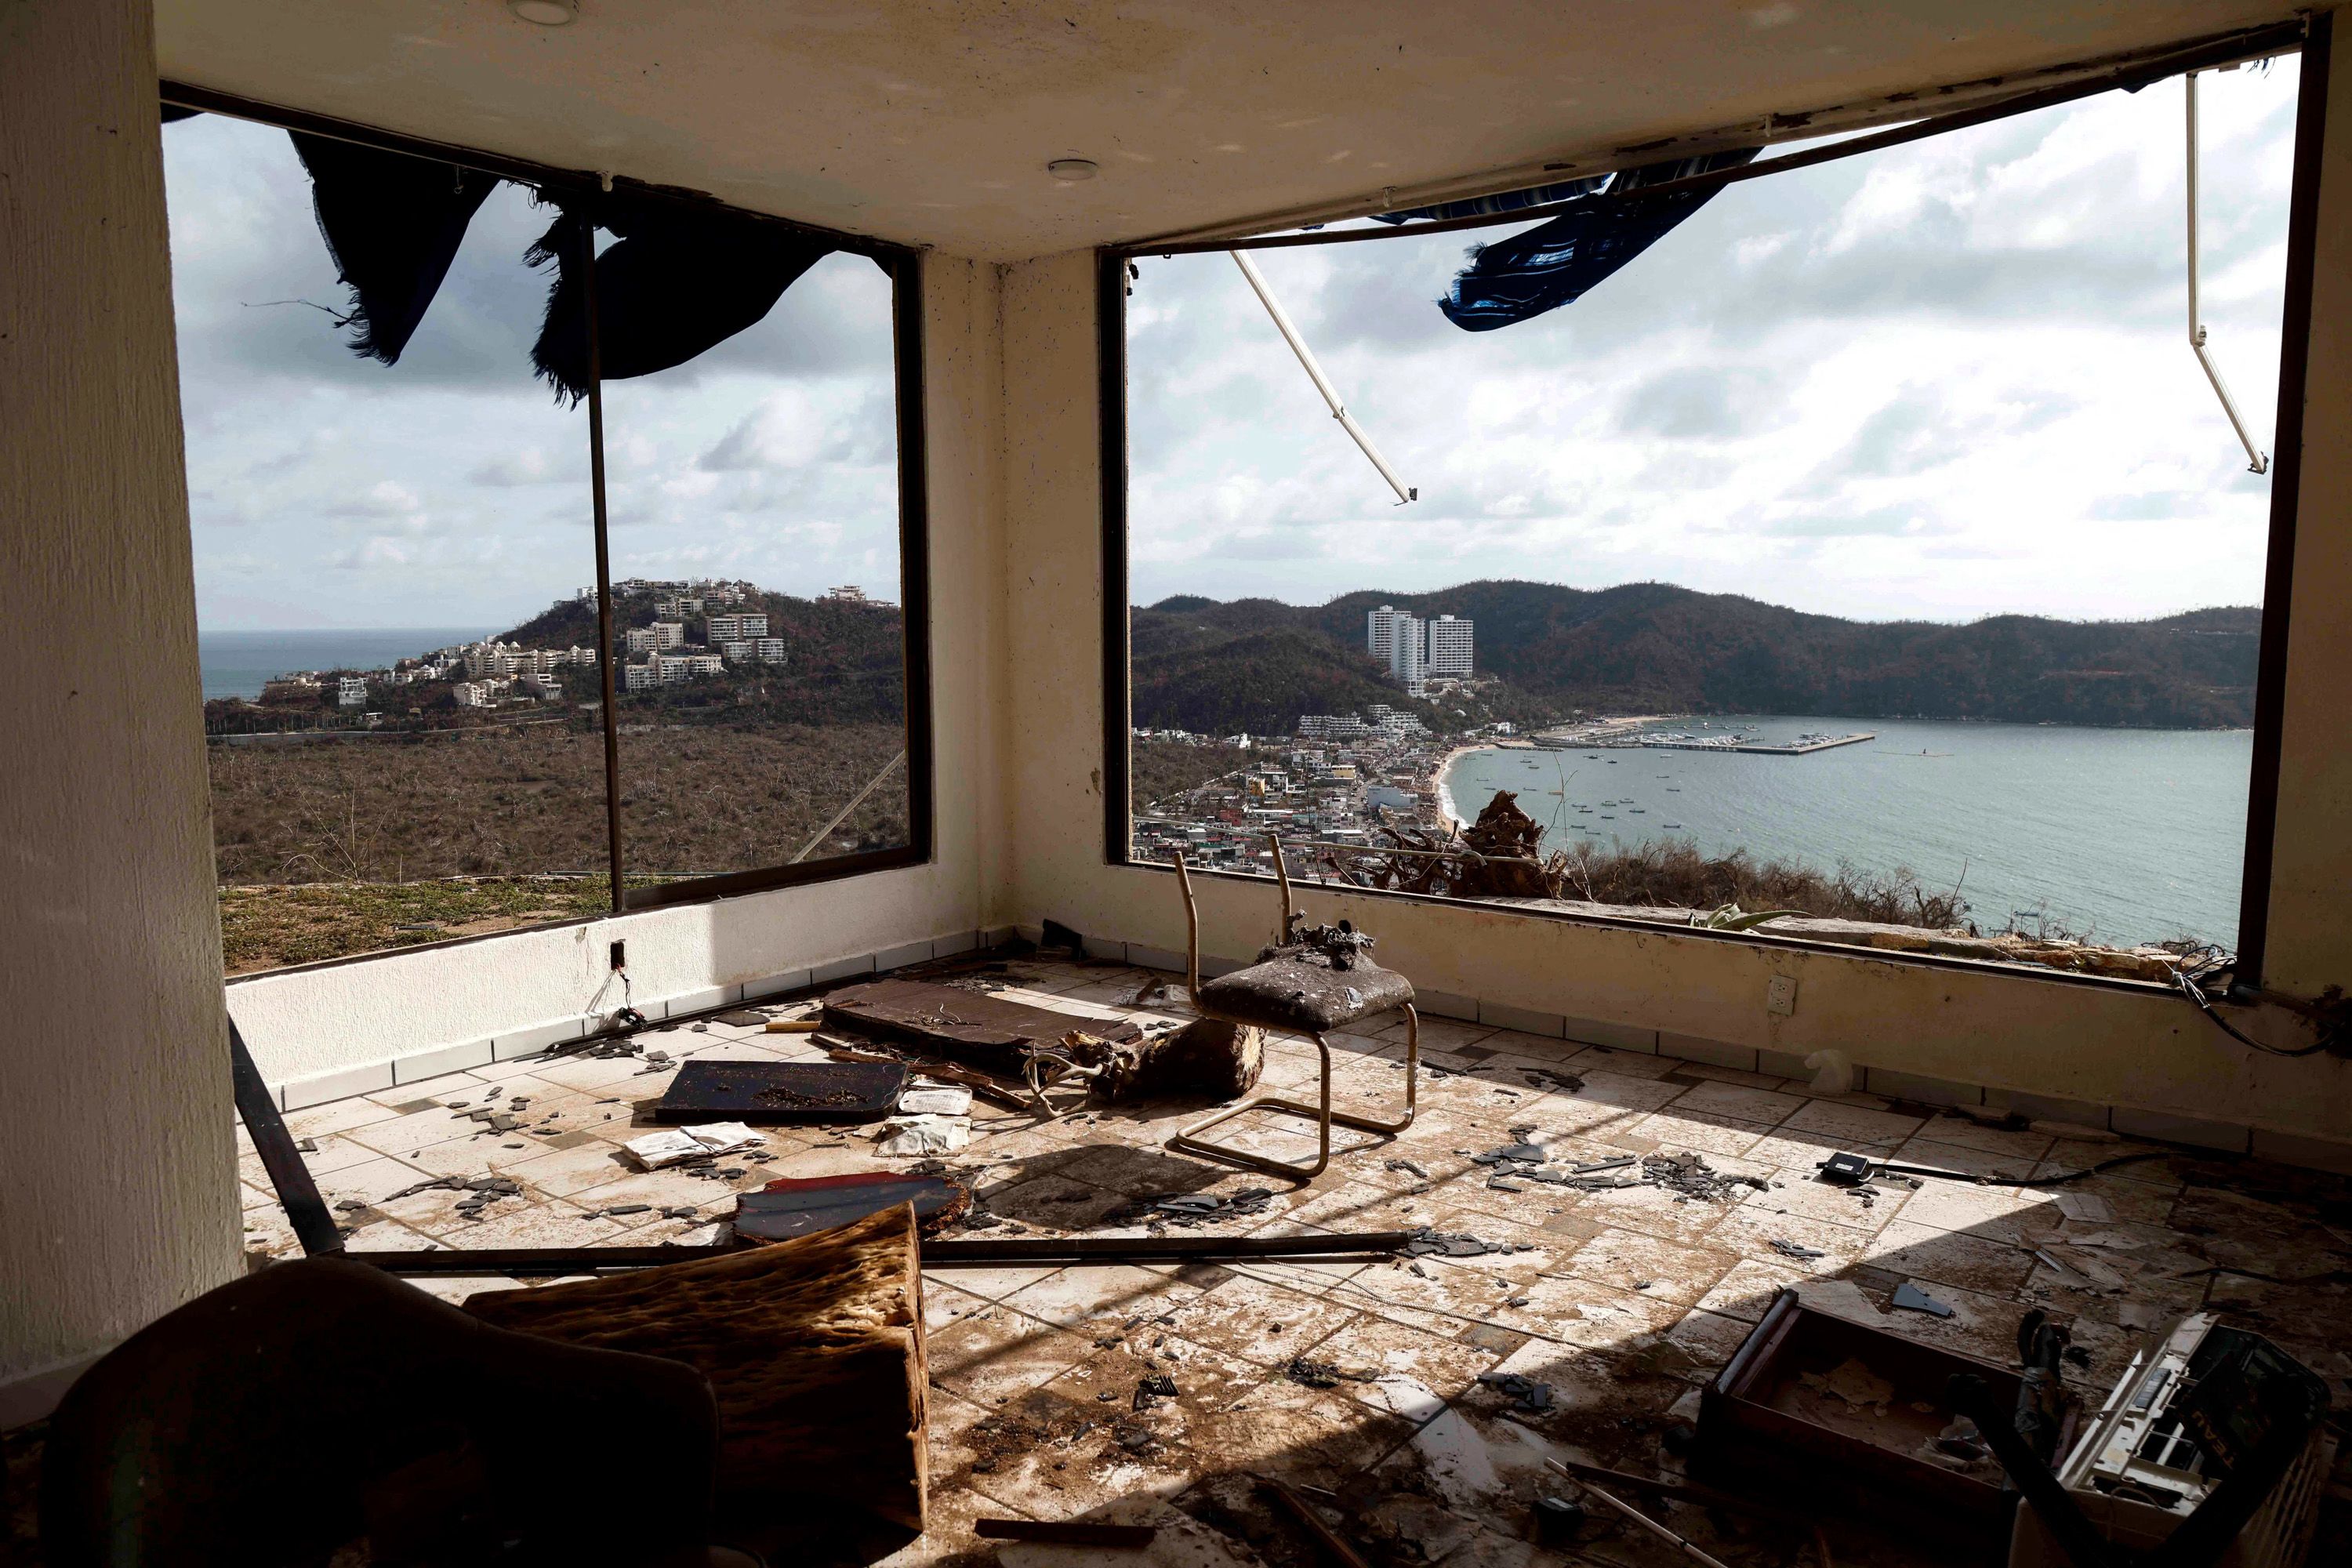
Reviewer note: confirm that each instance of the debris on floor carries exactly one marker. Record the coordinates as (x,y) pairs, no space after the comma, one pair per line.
(928,1097)
(1641,1225)
(804,1205)
(904,1136)
(677,1145)
(1911,1299)
(787,1093)
(1853,1383)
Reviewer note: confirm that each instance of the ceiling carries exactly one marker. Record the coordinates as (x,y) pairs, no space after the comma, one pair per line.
(932,121)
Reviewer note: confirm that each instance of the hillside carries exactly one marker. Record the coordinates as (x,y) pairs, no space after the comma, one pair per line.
(1652,647)
(842,664)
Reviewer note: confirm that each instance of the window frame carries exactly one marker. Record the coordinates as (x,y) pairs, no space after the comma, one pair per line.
(1112,278)
(904,265)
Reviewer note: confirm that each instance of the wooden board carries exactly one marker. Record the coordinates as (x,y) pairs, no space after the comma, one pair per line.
(986,1030)
(814,1348)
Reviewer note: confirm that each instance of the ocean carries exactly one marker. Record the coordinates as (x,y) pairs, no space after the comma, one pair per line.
(237,664)
(2127,835)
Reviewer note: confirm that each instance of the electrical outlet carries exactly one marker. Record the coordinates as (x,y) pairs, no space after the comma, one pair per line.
(620,955)
(1780,996)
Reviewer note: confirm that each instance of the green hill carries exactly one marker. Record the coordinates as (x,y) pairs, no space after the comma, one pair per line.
(1650,647)
(843,663)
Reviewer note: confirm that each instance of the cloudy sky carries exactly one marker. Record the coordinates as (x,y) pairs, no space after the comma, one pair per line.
(1943,380)
(451,491)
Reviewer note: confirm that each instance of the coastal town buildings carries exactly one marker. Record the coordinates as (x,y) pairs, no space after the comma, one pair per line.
(736,629)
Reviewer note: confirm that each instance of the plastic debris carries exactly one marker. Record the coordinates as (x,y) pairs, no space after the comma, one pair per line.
(1911,1299)
(1788,1248)
(1525,1392)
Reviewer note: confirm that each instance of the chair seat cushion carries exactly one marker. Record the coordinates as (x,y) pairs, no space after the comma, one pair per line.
(1298,989)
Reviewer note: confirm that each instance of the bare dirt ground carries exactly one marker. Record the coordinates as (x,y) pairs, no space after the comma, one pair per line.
(335,847)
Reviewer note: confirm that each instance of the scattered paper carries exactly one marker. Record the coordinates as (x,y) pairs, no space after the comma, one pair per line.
(922,1135)
(2088,1207)
(924,1097)
(677,1145)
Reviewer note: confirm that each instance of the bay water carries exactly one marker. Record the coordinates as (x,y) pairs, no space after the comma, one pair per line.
(238,663)
(2123,836)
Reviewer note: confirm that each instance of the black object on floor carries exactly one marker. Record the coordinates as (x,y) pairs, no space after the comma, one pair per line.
(770,1093)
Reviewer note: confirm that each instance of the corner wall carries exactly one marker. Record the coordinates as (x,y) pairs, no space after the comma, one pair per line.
(118,1176)
(2059,1048)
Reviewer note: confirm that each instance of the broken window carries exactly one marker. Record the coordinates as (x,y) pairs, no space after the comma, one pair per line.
(403,568)
(1857,542)
(763,719)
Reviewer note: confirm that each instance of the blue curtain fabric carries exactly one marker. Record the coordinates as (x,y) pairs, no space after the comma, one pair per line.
(1559,263)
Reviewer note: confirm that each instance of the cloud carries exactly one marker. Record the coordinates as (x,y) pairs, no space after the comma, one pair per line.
(1912,382)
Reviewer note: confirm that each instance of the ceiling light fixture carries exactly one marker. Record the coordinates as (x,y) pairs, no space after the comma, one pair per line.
(1070,171)
(545,13)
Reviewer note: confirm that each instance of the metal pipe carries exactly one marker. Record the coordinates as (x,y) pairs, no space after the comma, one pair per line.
(519,1261)
(1282,874)
(2256,462)
(1191,931)
(1315,372)
(1637,1517)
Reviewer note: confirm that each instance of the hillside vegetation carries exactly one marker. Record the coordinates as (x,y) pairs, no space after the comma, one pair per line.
(1257,664)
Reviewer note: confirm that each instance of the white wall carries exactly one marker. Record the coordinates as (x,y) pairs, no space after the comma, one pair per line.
(118,1176)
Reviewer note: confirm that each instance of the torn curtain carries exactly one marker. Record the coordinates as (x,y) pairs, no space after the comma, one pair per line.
(1556,263)
(673,285)
(393,224)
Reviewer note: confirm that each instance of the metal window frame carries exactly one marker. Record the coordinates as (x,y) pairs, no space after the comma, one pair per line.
(2261,813)
(904,263)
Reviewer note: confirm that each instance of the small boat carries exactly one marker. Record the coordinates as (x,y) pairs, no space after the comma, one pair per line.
(1672,827)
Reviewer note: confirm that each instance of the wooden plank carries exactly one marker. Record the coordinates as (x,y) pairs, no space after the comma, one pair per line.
(986,1030)
(814,1348)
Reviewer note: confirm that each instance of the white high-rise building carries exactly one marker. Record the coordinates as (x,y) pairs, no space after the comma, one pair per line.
(1409,651)
(1449,647)
(1380,632)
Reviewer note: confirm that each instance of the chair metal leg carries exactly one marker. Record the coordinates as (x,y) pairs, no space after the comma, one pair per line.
(1189,1141)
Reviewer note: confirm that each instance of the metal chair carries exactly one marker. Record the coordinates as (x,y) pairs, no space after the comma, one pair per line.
(1309,983)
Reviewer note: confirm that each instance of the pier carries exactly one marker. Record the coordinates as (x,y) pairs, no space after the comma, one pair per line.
(1801,749)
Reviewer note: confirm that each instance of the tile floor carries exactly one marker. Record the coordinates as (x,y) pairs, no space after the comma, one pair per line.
(1625,1301)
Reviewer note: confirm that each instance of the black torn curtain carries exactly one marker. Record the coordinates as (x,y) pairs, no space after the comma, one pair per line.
(1556,263)
(672,285)
(393,224)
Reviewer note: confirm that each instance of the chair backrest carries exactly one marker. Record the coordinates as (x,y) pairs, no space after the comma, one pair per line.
(1192,911)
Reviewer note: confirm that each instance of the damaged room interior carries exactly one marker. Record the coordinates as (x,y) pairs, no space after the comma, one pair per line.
(1177,784)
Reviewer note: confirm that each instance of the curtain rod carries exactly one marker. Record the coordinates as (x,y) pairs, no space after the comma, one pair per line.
(2261,42)
(520,170)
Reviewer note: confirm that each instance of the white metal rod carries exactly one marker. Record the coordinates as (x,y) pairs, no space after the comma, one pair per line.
(1635,1516)
(1315,372)
(2256,462)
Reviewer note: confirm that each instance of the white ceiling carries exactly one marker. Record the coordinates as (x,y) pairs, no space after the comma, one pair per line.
(931,121)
